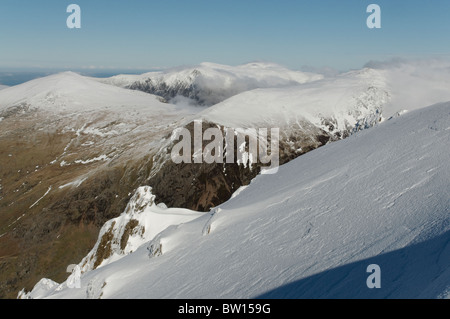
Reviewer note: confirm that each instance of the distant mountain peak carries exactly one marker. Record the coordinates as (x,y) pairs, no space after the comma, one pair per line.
(209,83)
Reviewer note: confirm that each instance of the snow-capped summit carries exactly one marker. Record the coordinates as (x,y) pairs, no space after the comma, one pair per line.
(209,83)
(355,98)
(343,100)
(71,92)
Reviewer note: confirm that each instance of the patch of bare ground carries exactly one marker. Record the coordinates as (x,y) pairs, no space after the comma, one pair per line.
(50,214)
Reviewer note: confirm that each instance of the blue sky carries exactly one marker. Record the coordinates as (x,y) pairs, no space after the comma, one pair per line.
(146,34)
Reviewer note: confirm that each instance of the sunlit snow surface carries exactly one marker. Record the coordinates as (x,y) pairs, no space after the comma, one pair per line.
(309,231)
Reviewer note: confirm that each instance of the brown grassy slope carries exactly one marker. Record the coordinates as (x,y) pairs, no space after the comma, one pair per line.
(41,236)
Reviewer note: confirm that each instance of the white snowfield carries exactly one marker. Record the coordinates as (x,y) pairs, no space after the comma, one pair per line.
(2,87)
(309,231)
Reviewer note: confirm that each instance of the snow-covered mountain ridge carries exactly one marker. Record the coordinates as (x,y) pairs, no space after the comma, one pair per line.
(308,116)
(73,151)
(74,93)
(209,83)
(78,148)
(311,230)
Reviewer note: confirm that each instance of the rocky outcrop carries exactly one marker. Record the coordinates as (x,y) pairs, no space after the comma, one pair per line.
(203,186)
(186,88)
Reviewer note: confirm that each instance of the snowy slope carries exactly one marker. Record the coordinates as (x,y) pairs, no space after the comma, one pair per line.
(71,92)
(73,148)
(344,100)
(311,230)
(103,119)
(413,84)
(124,80)
(2,87)
(141,222)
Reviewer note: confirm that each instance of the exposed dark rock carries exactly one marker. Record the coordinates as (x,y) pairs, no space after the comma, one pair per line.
(187,89)
(203,186)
